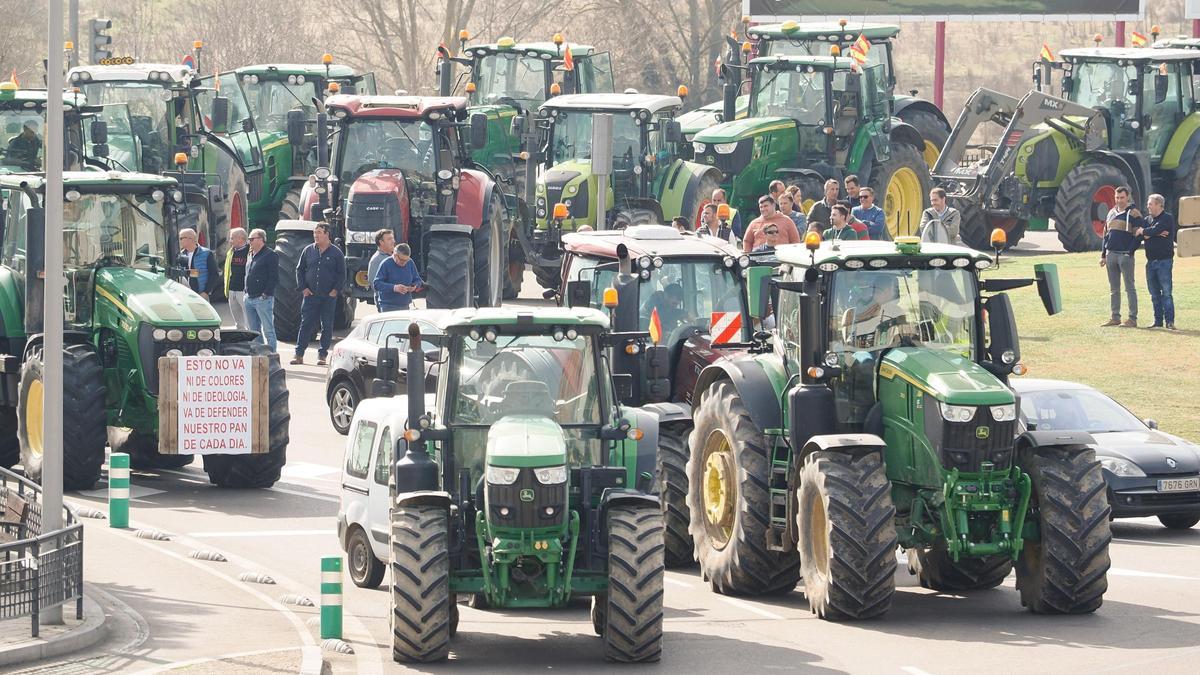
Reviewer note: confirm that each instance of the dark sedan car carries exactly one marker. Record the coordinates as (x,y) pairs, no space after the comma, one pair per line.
(1149,473)
(352,361)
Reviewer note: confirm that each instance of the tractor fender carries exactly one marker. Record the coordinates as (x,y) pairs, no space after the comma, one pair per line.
(855,444)
(309,199)
(454,229)
(424,498)
(670,412)
(647,422)
(474,194)
(70,337)
(752,385)
(901,103)
(1067,440)
(295,226)
(682,194)
(620,496)
(1132,171)
(906,134)
(1184,143)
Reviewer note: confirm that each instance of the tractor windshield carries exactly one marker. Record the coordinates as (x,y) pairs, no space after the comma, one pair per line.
(23,142)
(271,100)
(572,139)
(787,93)
(1107,85)
(876,56)
(369,144)
(512,75)
(113,230)
(149,116)
(526,375)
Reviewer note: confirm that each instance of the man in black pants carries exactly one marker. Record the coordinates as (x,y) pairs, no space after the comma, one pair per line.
(319,276)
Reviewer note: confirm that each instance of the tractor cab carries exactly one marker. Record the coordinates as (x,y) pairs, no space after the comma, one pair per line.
(524,75)
(23,130)
(792,38)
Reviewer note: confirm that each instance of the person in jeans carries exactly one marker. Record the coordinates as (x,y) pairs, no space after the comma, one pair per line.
(1116,256)
(235,276)
(1158,237)
(319,276)
(871,215)
(200,263)
(262,269)
(396,280)
(385,243)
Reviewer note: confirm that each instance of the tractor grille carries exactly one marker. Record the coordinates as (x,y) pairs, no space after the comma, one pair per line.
(556,182)
(151,351)
(961,444)
(370,212)
(254,186)
(527,514)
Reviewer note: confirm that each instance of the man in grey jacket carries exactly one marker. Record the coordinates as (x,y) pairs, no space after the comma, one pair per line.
(942,214)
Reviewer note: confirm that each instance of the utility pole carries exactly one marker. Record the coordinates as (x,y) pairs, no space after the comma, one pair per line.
(73,28)
(52,353)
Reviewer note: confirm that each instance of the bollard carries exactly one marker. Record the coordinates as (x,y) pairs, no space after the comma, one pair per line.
(118,490)
(331,597)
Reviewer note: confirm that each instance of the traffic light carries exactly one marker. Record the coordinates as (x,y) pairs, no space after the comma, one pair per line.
(101,43)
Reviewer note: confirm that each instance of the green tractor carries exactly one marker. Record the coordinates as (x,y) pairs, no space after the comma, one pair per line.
(813,118)
(188,128)
(522,483)
(98,143)
(791,38)
(649,182)
(878,415)
(280,98)
(1126,117)
(124,316)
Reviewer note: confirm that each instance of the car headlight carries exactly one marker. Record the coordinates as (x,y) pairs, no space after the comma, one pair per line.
(1004,413)
(502,475)
(958,413)
(1122,467)
(204,334)
(174,335)
(725,148)
(551,475)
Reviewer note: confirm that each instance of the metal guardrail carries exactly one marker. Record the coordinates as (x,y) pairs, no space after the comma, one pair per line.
(37,569)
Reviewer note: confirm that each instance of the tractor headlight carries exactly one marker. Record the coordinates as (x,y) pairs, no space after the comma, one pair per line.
(698,147)
(572,333)
(645,262)
(445,174)
(204,352)
(174,352)
(551,475)
(502,475)
(725,148)
(1009,357)
(957,413)
(1004,413)
(174,335)
(204,334)
(159,334)
(1121,467)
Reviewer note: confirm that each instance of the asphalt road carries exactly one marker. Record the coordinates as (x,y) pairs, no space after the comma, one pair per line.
(168,610)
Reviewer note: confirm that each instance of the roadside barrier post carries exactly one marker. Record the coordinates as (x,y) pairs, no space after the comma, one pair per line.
(118,490)
(331,597)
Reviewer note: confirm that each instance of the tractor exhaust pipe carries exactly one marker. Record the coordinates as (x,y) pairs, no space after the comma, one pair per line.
(415,377)
(323,200)
(443,71)
(415,471)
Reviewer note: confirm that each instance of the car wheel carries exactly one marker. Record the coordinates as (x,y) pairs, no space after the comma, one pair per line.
(1179,521)
(342,402)
(366,571)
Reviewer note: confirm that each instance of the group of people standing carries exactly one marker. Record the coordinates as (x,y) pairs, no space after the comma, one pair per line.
(248,278)
(1127,229)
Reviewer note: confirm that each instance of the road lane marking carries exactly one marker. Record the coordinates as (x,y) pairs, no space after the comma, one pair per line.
(263,533)
(677,582)
(310,495)
(751,608)
(1156,543)
(209,659)
(1122,572)
(913,670)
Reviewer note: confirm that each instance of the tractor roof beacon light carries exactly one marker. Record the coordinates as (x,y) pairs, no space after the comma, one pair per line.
(326,59)
(681,91)
(181,159)
(334,87)
(555,89)
(723,211)
(471,88)
(558,39)
(560,211)
(610,298)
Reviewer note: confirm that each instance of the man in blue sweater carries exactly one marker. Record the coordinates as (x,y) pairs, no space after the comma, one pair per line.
(262,270)
(1116,255)
(396,280)
(1158,237)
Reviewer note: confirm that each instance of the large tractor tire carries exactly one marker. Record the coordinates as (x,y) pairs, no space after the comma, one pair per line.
(447,274)
(976,228)
(1082,203)
(671,480)
(630,216)
(491,257)
(937,571)
(85,418)
(289,246)
(901,184)
(142,449)
(847,535)
(10,446)
(290,208)
(1065,570)
(728,502)
(708,183)
(259,470)
(421,599)
(1187,182)
(932,129)
(632,614)
(549,278)
(343,313)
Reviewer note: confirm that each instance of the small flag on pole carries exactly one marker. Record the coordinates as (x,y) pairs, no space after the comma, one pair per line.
(13,77)
(568,60)
(1138,39)
(860,49)
(655,326)
(1047,55)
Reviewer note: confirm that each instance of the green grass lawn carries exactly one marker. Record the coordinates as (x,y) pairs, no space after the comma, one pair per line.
(1155,373)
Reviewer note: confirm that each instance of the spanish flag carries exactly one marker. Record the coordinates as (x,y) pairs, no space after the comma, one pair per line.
(13,77)
(1047,55)
(568,60)
(860,49)
(1138,39)
(655,326)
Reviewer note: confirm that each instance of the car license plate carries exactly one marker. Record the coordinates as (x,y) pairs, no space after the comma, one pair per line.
(1179,484)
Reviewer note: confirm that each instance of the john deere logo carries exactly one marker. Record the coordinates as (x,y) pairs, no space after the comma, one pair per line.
(982,432)
(191,335)
(526,495)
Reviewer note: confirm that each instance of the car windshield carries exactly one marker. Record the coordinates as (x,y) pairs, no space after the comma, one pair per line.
(509,74)
(271,100)
(368,144)
(787,93)
(573,138)
(876,310)
(23,142)
(526,374)
(1077,410)
(113,230)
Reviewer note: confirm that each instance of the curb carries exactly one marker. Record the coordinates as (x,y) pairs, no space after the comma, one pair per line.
(86,634)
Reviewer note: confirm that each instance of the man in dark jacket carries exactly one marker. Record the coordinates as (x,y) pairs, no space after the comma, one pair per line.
(201,265)
(262,269)
(1116,256)
(1158,237)
(319,276)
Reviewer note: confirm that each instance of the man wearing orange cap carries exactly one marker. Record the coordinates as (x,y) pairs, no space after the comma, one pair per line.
(714,222)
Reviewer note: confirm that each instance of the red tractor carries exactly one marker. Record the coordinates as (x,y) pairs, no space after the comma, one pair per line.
(402,163)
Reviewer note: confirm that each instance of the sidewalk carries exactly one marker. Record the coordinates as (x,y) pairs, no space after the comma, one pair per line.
(16,647)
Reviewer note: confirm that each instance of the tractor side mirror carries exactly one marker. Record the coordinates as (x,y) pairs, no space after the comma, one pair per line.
(1002,331)
(758,286)
(1161,84)
(673,132)
(518,126)
(579,293)
(1048,287)
(1131,88)
(387,368)
(295,128)
(479,130)
(220,115)
(1068,85)
(99,132)
(247,125)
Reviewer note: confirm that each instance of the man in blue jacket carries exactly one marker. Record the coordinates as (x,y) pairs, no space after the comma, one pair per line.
(201,265)
(1158,238)
(320,275)
(396,280)
(262,269)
